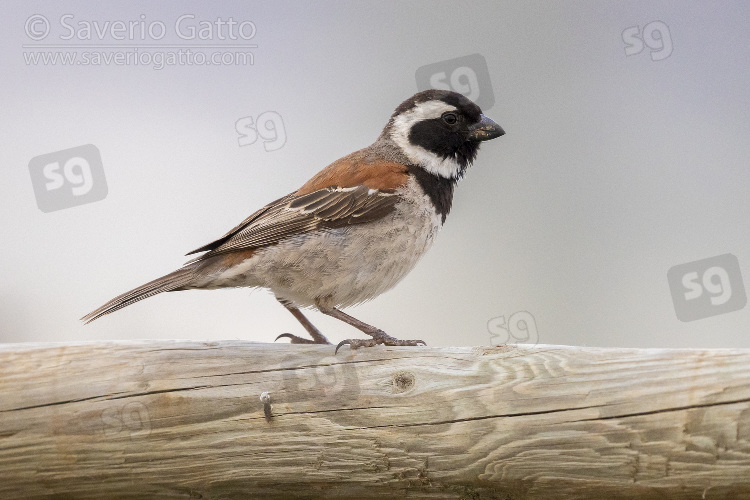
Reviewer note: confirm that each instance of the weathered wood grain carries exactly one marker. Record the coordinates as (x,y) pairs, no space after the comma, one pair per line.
(167,419)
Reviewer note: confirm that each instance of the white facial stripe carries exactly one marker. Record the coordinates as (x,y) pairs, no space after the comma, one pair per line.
(444,167)
(425,111)
(400,135)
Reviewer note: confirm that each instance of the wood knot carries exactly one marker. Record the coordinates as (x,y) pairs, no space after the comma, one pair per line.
(403,381)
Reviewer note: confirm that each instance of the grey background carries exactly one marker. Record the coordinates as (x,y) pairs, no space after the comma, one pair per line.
(614,169)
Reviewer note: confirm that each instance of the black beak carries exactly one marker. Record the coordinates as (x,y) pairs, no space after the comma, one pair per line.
(485,130)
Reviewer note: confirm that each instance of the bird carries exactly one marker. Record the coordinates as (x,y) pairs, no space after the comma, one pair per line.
(352,231)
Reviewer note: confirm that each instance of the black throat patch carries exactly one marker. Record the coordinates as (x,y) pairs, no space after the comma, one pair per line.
(438,189)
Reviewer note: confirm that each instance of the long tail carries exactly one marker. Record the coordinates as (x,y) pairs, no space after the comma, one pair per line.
(172,281)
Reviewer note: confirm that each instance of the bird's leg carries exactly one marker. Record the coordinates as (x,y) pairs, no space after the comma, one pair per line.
(378,335)
(318,338)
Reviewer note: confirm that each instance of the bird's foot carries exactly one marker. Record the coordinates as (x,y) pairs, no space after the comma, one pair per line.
(299,340)
(378,337)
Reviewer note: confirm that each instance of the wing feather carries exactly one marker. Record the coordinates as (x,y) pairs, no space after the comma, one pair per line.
(331,207)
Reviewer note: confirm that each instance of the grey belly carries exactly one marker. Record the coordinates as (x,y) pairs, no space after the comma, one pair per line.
(339,267)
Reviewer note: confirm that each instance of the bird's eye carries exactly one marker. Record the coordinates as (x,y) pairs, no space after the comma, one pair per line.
(450,118)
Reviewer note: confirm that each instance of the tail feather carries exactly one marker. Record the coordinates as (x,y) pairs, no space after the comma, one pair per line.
(171,281)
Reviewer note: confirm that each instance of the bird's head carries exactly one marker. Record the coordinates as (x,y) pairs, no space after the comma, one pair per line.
(440,131)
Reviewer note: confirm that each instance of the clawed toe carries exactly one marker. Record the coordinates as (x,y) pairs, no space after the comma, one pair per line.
(381,337)
(295,339)
(409,342)
(356,344)
(342,343)
(404,342)
(378,339)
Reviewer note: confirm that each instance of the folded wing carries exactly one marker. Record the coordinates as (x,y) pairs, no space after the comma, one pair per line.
(331,207)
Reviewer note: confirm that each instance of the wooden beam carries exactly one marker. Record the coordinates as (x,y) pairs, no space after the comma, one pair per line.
(172,419)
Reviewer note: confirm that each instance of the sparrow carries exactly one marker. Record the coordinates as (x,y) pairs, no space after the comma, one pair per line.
(351,232)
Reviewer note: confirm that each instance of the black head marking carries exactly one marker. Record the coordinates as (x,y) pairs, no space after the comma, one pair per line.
(464,104)
(446,136)
(438,189)
(439,148)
